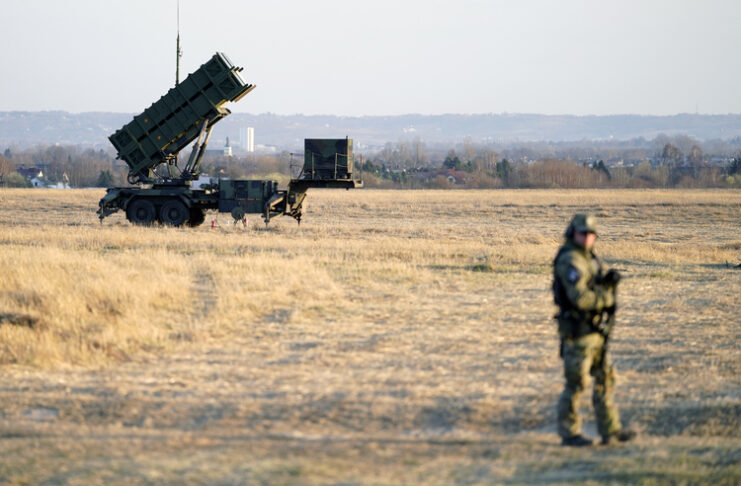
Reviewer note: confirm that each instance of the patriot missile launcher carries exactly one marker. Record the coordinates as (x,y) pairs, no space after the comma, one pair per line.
(151,142)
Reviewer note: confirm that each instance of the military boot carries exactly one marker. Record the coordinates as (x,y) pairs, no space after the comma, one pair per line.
(623,435)
(576,441)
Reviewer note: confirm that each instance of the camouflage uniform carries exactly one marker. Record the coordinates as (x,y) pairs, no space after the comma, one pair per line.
(582,298)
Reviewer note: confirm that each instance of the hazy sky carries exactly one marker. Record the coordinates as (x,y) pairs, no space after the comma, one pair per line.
(380,57)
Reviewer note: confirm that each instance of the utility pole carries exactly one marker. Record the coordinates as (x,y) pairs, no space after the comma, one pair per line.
(178,55)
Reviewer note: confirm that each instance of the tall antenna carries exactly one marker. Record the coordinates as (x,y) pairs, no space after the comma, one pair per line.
(178,52)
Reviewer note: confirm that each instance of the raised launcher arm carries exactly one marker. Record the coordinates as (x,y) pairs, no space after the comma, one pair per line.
(188,111)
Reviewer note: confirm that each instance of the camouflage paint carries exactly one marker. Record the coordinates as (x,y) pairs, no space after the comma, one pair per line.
(186,113)
(173,121)
(327,159)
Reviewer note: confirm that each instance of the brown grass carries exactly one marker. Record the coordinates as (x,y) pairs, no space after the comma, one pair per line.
(394,337)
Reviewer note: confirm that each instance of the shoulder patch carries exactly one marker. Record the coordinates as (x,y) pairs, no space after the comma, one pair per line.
(573,275)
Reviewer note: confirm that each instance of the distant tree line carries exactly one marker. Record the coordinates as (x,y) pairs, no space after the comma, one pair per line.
(72,166)
(668,162)
(664,162)
(61,165)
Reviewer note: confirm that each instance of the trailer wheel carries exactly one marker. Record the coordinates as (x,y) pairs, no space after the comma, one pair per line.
(141,212)
(197,217)
(174,213)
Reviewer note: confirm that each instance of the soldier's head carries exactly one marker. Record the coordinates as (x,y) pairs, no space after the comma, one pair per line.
(582,230)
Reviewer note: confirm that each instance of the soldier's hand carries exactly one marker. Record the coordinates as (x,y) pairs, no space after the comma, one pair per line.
(612,278)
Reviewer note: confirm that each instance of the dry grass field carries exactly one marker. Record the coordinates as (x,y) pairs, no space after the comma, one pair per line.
(393,338)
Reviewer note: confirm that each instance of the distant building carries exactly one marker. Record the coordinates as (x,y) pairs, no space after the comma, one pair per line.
(455,176)
(243,138)
(34,175)
(31,172)
(247,139)
(225,151)
(250,139)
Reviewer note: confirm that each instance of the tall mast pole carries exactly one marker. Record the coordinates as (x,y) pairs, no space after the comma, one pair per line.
(178,52)
(178,55)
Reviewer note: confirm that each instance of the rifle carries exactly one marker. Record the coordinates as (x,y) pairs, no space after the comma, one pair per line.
(608,322)
(611,278)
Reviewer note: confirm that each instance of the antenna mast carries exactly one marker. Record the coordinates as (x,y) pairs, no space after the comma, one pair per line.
(178,52)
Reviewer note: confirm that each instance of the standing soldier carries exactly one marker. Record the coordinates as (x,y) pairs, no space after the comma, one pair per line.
(586,300)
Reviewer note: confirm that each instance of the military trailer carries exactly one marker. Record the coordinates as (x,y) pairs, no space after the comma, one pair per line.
(151,142)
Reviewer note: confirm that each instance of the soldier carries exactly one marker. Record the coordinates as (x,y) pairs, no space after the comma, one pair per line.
(585,296)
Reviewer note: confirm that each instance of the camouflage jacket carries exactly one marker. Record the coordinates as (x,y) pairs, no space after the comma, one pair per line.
(581,297)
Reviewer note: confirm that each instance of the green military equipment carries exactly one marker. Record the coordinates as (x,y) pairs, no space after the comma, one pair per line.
(586,300)
(583,357)
(583,223)
(188,112)
(165,128)
(611,279)
(327,159)
(607,324)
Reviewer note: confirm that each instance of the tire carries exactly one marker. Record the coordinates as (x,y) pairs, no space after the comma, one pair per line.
(197,217)
(174,213)
(141,212)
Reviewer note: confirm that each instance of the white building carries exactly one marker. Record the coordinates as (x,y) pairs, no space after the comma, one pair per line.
(243,138)
(247,138)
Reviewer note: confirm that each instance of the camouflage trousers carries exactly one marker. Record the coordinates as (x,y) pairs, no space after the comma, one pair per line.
(582,357)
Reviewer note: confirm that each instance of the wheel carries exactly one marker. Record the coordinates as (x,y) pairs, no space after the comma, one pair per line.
(141,212)
(197,217)
(174,213)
